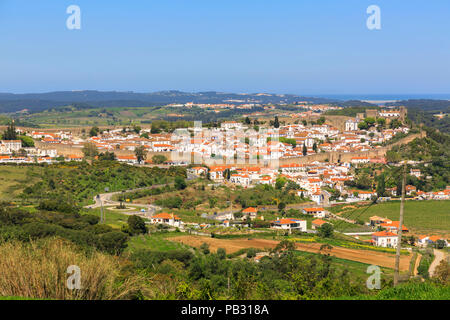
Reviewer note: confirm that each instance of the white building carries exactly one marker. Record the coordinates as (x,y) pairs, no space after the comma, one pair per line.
(385,239)
(351,125)
(289,224)
(166,218)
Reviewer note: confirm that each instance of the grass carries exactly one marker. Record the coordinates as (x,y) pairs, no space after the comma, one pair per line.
(421,217)
(408,291)
(39,270)
(156,241)
(14,179)
(354,267)
(113,218)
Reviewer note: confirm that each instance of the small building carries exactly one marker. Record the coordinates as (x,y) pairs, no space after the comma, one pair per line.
(250,212)
(317,212)
(410,189)
(289,224)
(315,224)
(167,218)
(424,241)
(385,239)
(393,226)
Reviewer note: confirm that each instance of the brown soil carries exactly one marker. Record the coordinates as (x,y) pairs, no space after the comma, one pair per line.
(381,259)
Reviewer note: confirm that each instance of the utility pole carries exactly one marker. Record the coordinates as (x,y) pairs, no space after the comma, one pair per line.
(400,228)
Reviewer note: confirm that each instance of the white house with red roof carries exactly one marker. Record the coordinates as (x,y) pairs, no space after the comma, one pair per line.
(385,239)
(289,224)
(315,224)
(250,212)
(317,212)
(166,218)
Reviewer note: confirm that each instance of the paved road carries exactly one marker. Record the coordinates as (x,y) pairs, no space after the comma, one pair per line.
(105,199)
(438,257)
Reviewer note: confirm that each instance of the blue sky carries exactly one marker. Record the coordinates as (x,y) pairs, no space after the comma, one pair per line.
(298,46)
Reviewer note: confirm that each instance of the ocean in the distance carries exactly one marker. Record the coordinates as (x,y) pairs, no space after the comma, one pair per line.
(383,97)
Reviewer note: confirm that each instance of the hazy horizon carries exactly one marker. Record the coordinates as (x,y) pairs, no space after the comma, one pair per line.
(289,46)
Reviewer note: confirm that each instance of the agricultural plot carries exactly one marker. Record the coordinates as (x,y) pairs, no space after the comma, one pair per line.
(428,217)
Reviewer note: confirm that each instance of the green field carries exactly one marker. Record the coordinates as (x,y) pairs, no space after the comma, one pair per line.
(356,268)
(13,179)
(114,219)
(155,241)
(428,217)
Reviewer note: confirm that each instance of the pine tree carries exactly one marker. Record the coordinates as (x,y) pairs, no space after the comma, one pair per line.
(305,150)
(276,123)
(10,132)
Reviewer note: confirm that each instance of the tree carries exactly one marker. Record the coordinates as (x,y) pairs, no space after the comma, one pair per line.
(141,153)
(280,182)
(94,131)
(315,147)
(107,156)
(113,242)
(227,174)
(27,142)
(381,122)
(180,183)
(305,150)
(90,150)
(381,186)
(370,121)
(212,202)
(442,273)
(136,129)
(363,125)
(321,121)
(247,120)
(325,231)
(440,244)
(137,225)
(159,158)
(10,132)
(205,248)
(145,135)
(276,123)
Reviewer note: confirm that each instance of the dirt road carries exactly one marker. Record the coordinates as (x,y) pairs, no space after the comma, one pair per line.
(438,257)
(381,259)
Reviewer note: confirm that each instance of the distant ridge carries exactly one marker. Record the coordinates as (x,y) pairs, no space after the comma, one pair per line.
(10,102)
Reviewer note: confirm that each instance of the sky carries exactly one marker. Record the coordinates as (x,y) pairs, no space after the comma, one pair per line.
(306,47)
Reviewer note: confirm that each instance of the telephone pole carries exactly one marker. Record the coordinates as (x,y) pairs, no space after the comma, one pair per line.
(400,229)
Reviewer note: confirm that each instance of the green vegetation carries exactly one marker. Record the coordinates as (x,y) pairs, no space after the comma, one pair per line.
(266,195)
(425,262)
(158,241)
(80,182)
(426,217)
(84,230)
(409,291)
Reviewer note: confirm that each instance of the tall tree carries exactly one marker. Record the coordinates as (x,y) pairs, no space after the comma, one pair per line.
(90,150)
(305,150)
(10,132)
(276,123)
(141,153)
(381,186)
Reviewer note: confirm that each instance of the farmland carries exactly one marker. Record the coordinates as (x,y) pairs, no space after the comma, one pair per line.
(421,217)
(364,256)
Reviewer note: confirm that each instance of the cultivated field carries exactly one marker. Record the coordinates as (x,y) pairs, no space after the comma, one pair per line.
(365,256)
(421,217)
